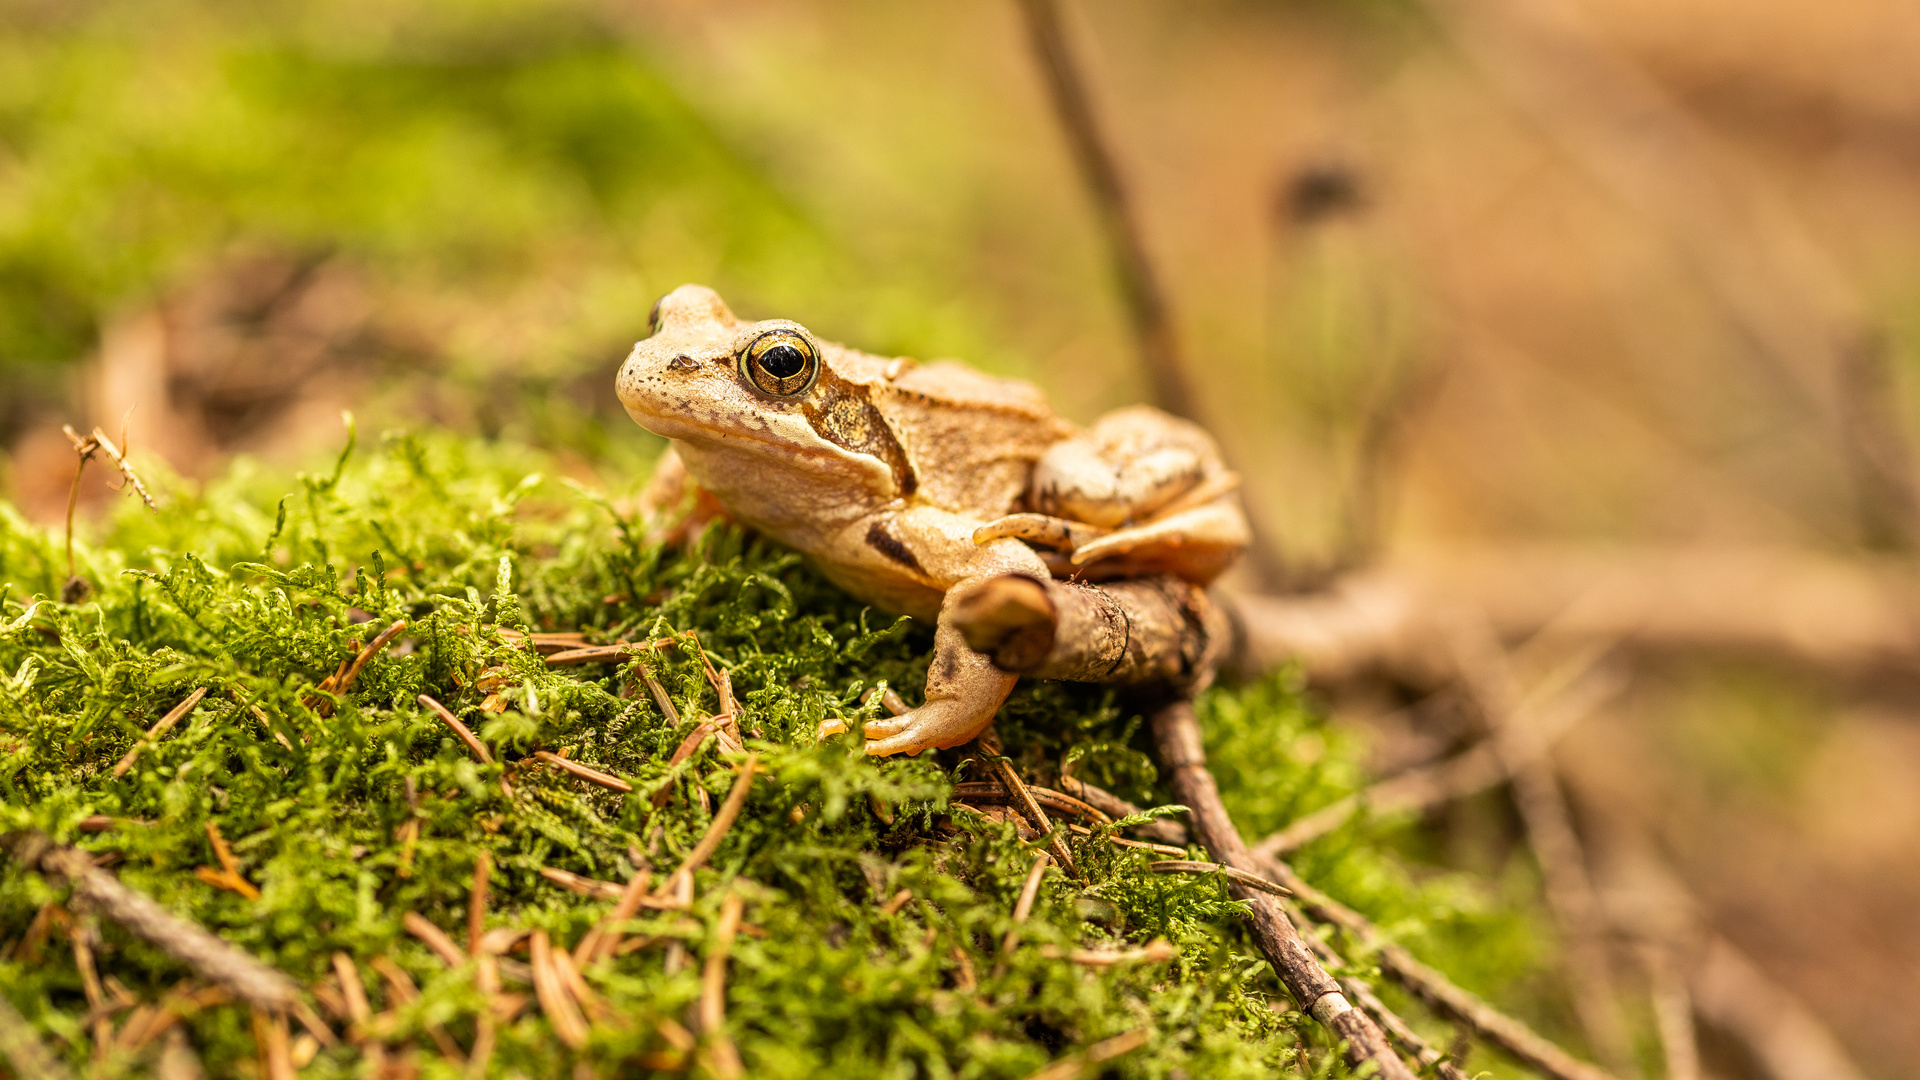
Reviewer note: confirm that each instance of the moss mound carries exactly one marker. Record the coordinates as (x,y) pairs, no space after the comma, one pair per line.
(345,812)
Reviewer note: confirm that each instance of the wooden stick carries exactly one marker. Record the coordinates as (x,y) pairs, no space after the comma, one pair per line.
(1183,762)
(158,729)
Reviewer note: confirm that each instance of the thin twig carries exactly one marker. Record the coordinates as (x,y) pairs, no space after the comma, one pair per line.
(1537,794)
(1146,301)
(1397,1029)
(1183,761)
(212,957)
(1076,1065)
(1511,1035)
(1471,771)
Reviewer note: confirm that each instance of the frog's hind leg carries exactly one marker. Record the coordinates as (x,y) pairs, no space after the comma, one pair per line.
(1196,544)
(1128,466)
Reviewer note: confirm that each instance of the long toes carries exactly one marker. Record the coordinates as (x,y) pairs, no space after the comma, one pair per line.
(906,742)
(892,725)
(831,727)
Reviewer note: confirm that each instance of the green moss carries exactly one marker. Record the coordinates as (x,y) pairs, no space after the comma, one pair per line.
(260,594)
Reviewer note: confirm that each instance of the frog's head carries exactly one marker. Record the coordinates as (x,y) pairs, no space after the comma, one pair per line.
(760,395)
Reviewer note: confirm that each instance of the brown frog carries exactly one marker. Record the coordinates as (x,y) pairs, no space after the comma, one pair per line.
(908,482)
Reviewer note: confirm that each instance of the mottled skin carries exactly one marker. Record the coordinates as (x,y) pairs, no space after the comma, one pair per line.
(905,483)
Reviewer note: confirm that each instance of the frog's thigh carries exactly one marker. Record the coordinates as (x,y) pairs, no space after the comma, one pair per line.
(1104,482)
(1213,526)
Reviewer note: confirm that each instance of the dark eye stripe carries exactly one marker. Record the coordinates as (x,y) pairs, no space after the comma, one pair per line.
(781,363)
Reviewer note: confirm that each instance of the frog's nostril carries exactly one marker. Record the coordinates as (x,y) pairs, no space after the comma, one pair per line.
(683,362)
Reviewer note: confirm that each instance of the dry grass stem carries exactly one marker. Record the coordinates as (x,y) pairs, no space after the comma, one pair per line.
(723,1058)
(1047,797)
(590,775)
(1078,1065)
(585,886)
(434,938)
(460,730)
(477,902)
(1488,677)
(270,1033)
(82,932)
(1157,951)
(385,638)
(1191,866)
(402,990)
(601,941)
(896,902)
(159,728)
(1468,773)
(561,1012)
(1024,801)
(717,830)
(1029,892)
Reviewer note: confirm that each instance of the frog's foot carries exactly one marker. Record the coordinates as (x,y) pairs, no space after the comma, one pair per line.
(938,725)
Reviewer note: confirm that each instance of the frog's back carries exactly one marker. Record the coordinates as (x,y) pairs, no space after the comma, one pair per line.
(972,437)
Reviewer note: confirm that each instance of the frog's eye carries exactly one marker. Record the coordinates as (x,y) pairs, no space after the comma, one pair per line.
(653,317)
(781,363)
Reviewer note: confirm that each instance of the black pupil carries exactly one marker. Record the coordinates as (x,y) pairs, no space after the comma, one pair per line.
(783,361)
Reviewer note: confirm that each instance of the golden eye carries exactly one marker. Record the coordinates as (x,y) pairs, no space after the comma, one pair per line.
(653,318)
(781,363)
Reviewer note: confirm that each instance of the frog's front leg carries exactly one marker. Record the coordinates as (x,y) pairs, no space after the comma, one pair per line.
(964,688)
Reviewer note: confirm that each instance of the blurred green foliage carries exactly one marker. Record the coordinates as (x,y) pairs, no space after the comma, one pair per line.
(440,146)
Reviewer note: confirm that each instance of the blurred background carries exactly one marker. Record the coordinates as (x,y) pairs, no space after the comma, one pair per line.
(1590,321)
